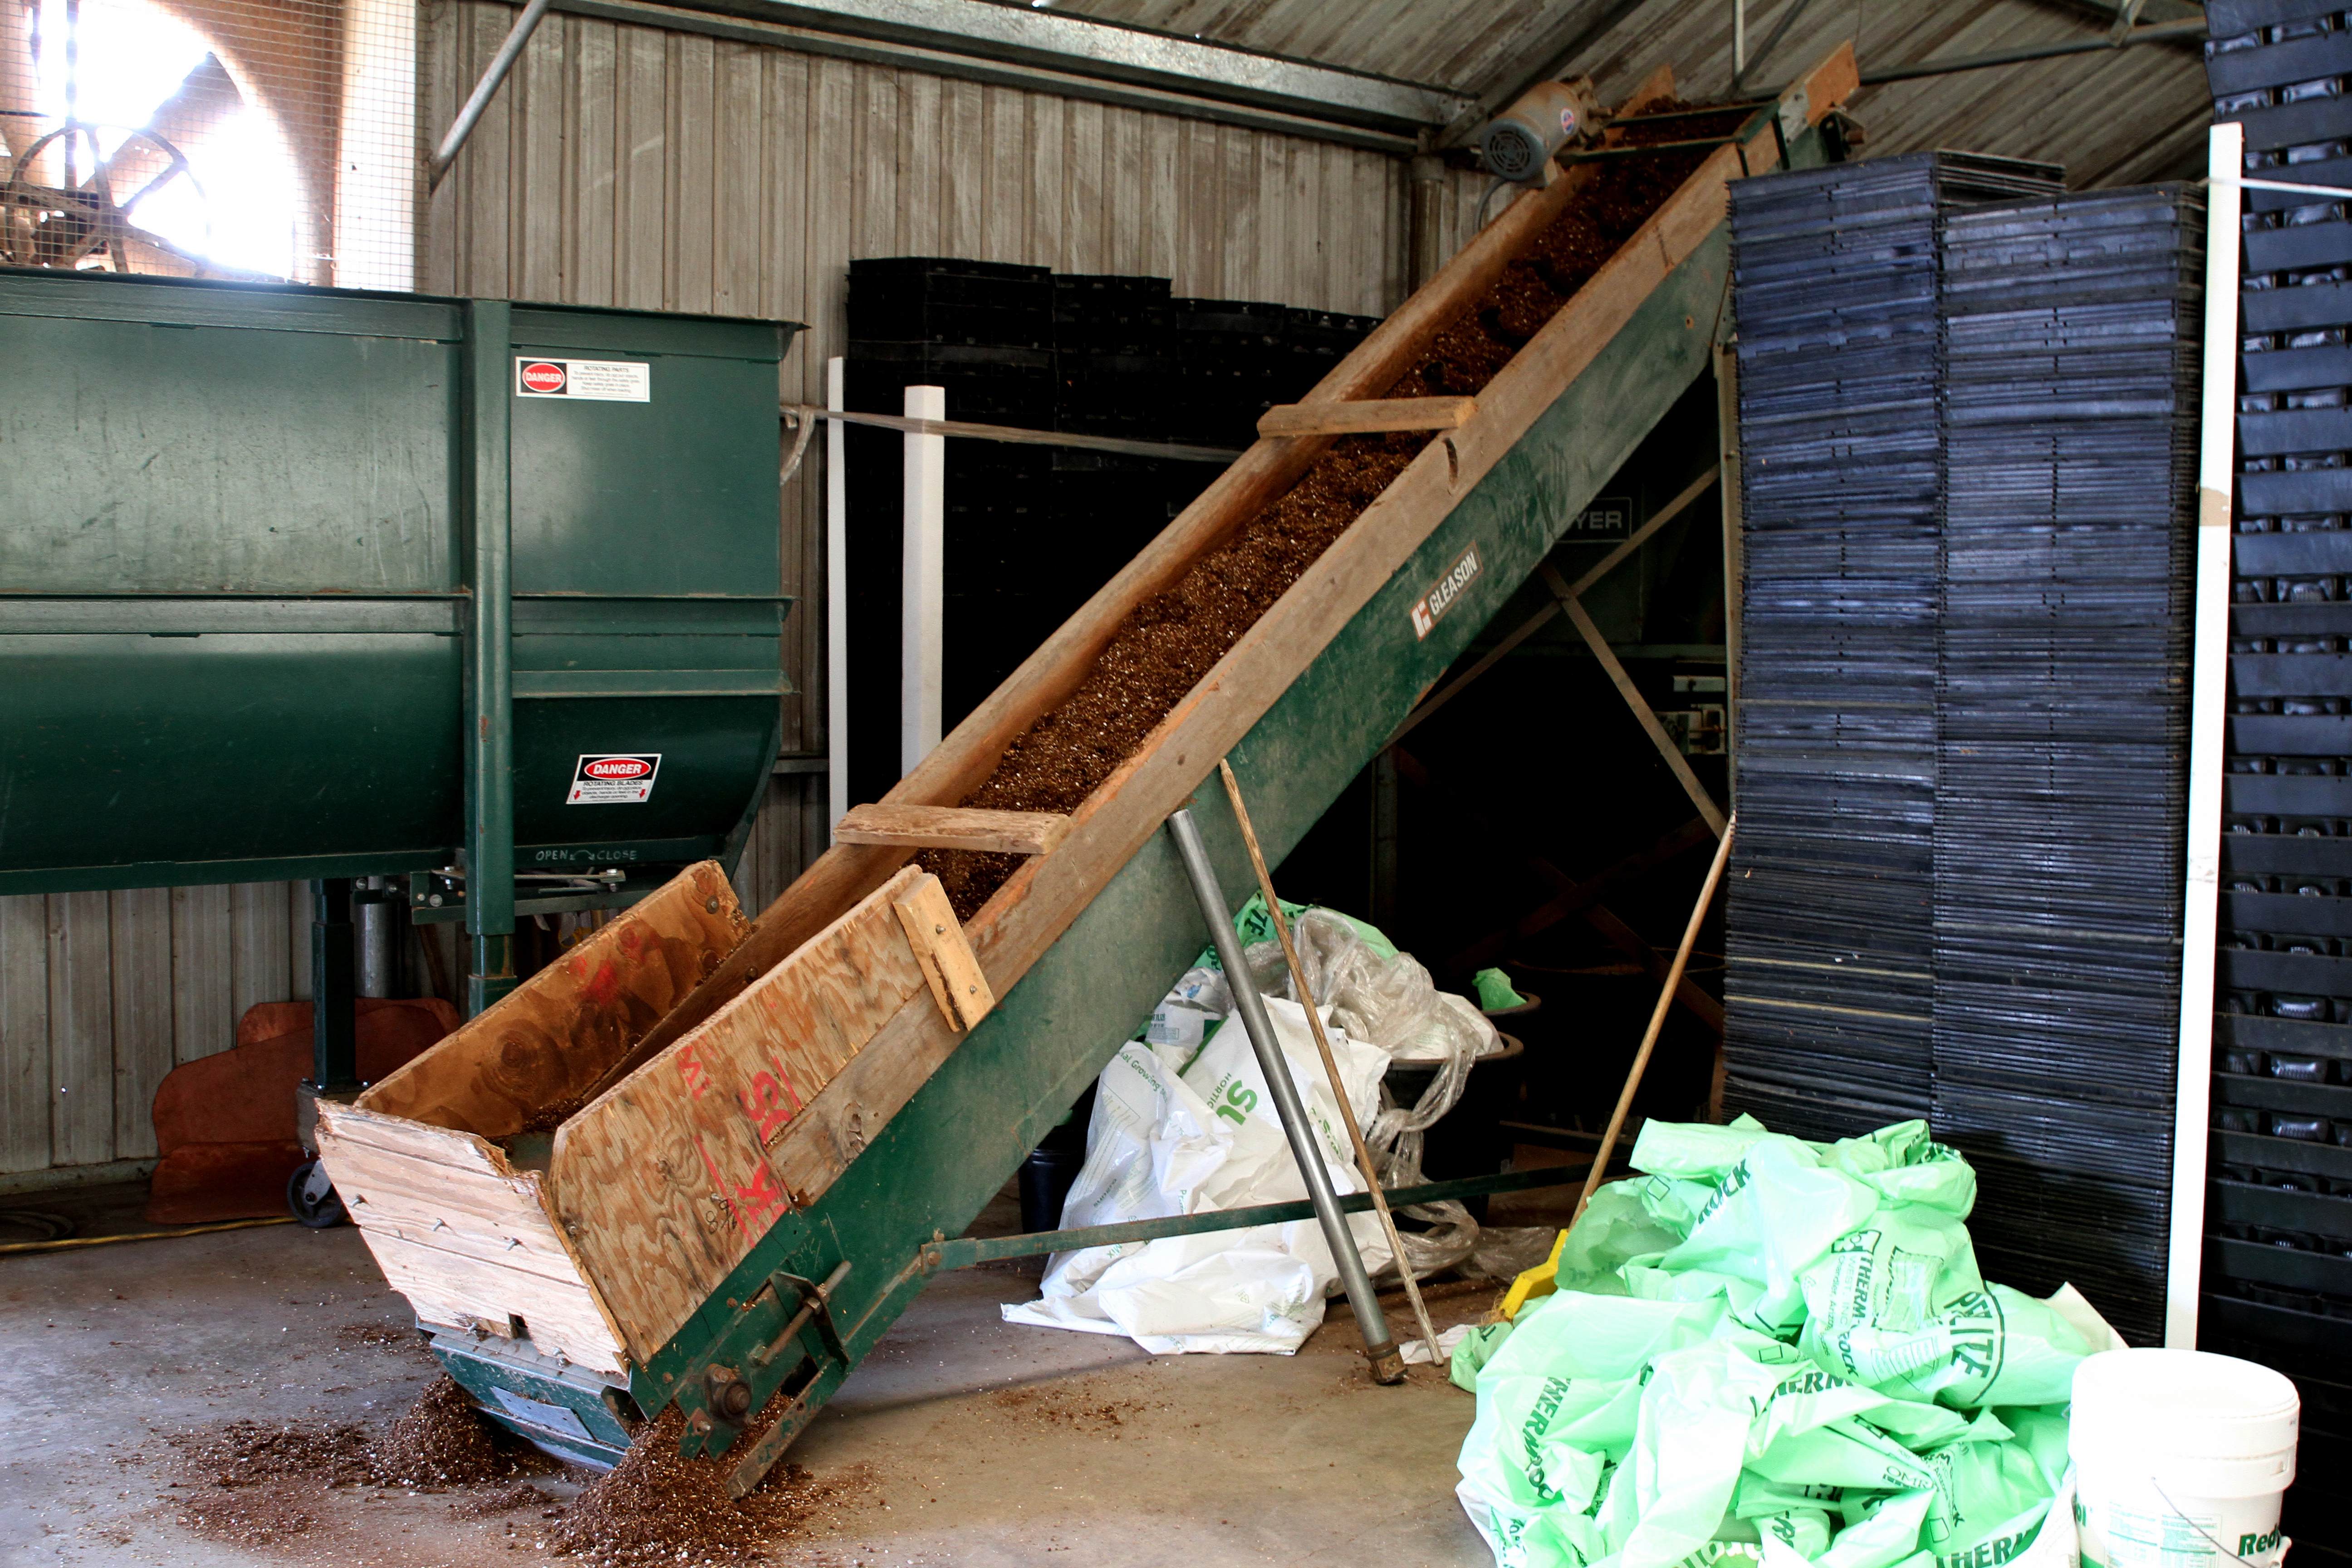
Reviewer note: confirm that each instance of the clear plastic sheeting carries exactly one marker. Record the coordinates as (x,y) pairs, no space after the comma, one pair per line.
(1387,997)
(1774,1353)
(1182,1125)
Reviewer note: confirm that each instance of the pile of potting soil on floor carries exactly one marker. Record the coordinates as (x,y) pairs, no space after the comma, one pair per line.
(658,1506)
(440,1442)
(1168,643)
(255,1483)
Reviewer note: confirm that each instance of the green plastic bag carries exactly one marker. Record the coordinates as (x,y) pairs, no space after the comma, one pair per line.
(1495,991)
(1777,1353)
(1476,1348)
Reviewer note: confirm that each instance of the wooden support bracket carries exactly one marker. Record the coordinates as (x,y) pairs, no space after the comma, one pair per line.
(937,936)
(952,827)
(1356,417)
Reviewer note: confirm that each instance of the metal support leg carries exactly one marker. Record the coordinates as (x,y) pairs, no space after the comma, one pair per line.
(372,918)
(489,655)
(334,1049)
(1379,1348)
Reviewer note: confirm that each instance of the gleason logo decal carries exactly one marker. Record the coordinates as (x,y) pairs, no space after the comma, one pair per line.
(613,778)
(585,380)
(1431,608)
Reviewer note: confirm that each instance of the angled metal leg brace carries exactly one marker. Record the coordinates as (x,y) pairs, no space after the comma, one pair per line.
(1380,1348)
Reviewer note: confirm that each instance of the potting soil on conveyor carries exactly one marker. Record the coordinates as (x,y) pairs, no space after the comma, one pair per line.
(1168,643)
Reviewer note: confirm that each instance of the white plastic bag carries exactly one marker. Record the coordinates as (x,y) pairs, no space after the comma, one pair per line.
(1175,1134)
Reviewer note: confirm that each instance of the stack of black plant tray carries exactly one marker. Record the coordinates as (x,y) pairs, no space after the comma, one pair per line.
(2278,1260)
(1830,930)
(2072,330)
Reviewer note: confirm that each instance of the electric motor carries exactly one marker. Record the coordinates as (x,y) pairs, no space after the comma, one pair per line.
(1519,142)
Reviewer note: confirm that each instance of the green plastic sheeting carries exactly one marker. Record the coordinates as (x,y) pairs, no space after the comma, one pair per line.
(1471,1354)
(1774,1353)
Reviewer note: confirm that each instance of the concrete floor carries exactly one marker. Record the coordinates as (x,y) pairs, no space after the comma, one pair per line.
(962,1440)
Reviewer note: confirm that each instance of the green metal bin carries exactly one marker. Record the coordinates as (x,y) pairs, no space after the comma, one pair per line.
(304,583)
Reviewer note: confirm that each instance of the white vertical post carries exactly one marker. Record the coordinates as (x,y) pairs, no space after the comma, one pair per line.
(837,604)
(923,518)
(2208,738)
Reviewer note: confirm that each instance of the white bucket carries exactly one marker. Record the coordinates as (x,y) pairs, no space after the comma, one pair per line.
(2180,1459)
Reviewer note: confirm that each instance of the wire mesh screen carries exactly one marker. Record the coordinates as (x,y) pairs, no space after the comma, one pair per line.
(211,138)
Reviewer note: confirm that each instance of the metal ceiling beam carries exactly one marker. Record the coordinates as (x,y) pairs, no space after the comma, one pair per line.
(2160,32)
(2150,11)
(1113,52)
(710,21)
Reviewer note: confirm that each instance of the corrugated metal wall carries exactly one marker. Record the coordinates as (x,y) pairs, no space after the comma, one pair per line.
(627,166)
(102,993)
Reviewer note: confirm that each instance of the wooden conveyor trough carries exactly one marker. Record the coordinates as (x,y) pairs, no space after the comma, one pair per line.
(782,1118)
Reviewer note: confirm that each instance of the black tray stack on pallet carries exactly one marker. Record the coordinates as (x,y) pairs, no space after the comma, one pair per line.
(1031,532)
(1829,990)
(2278,1261)
(1232,363)
(1114,376)
(2071,333)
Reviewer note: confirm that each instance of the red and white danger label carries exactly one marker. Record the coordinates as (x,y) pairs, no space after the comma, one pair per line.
(588,380)
(613,778)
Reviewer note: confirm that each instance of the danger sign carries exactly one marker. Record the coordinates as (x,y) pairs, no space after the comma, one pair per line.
(585,380)
(613,778)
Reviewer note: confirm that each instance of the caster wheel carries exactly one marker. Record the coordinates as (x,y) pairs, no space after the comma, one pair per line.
(310,1197)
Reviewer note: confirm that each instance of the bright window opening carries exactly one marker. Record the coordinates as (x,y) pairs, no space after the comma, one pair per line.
(133,147)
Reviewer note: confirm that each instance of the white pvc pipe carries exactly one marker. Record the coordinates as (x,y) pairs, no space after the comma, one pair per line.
(836,606)
(2207,740)
(923,513)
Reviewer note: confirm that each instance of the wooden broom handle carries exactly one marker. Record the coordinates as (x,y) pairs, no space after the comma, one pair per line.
(1657,1020)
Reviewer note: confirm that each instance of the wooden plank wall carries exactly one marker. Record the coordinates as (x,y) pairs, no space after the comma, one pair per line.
(627,166)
